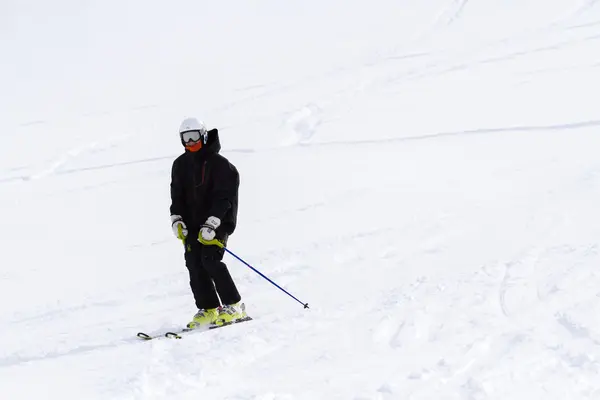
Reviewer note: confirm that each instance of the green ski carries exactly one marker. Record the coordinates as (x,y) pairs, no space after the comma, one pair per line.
(178,334)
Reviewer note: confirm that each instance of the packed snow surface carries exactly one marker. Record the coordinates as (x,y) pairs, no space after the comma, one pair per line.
(425,174)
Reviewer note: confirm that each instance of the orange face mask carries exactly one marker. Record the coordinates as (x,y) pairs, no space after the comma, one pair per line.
(194,147)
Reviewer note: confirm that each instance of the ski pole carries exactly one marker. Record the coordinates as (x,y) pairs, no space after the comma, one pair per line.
(221,245)
(261,274)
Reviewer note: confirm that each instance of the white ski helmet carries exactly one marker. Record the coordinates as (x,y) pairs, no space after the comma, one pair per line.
(192,125)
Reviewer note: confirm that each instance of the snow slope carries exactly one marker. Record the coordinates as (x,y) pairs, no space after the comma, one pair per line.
(425,174)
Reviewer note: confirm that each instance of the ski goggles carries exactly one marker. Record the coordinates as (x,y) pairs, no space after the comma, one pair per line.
(194,136)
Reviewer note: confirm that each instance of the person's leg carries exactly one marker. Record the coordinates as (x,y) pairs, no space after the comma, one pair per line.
(212,257)
(201,283)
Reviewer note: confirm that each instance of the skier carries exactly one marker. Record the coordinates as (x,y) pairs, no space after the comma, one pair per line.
(204,200)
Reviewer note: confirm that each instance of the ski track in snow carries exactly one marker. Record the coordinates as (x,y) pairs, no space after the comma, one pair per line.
(586,6)
(452,13)
(58,167)
(559,127)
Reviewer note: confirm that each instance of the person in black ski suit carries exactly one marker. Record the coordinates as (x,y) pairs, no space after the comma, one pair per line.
(204,202)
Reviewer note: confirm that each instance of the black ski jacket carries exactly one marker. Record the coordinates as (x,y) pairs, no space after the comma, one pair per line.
(204,184)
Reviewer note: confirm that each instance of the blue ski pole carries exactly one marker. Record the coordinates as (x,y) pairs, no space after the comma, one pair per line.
(261,274)
(221,245)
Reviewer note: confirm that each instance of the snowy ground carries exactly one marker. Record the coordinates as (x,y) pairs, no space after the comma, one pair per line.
(425,174)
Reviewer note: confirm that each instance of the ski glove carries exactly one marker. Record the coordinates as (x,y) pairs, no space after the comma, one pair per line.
(207,232)
(178,226)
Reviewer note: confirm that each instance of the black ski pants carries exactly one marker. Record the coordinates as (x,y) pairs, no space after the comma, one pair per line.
(209,277)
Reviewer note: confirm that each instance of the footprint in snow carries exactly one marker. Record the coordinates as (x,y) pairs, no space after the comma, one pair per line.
(302,124)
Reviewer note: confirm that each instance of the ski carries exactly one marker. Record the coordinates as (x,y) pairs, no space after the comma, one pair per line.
(179,334)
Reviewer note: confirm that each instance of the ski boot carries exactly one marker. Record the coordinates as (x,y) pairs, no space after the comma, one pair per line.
(231,313)
(204,318)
